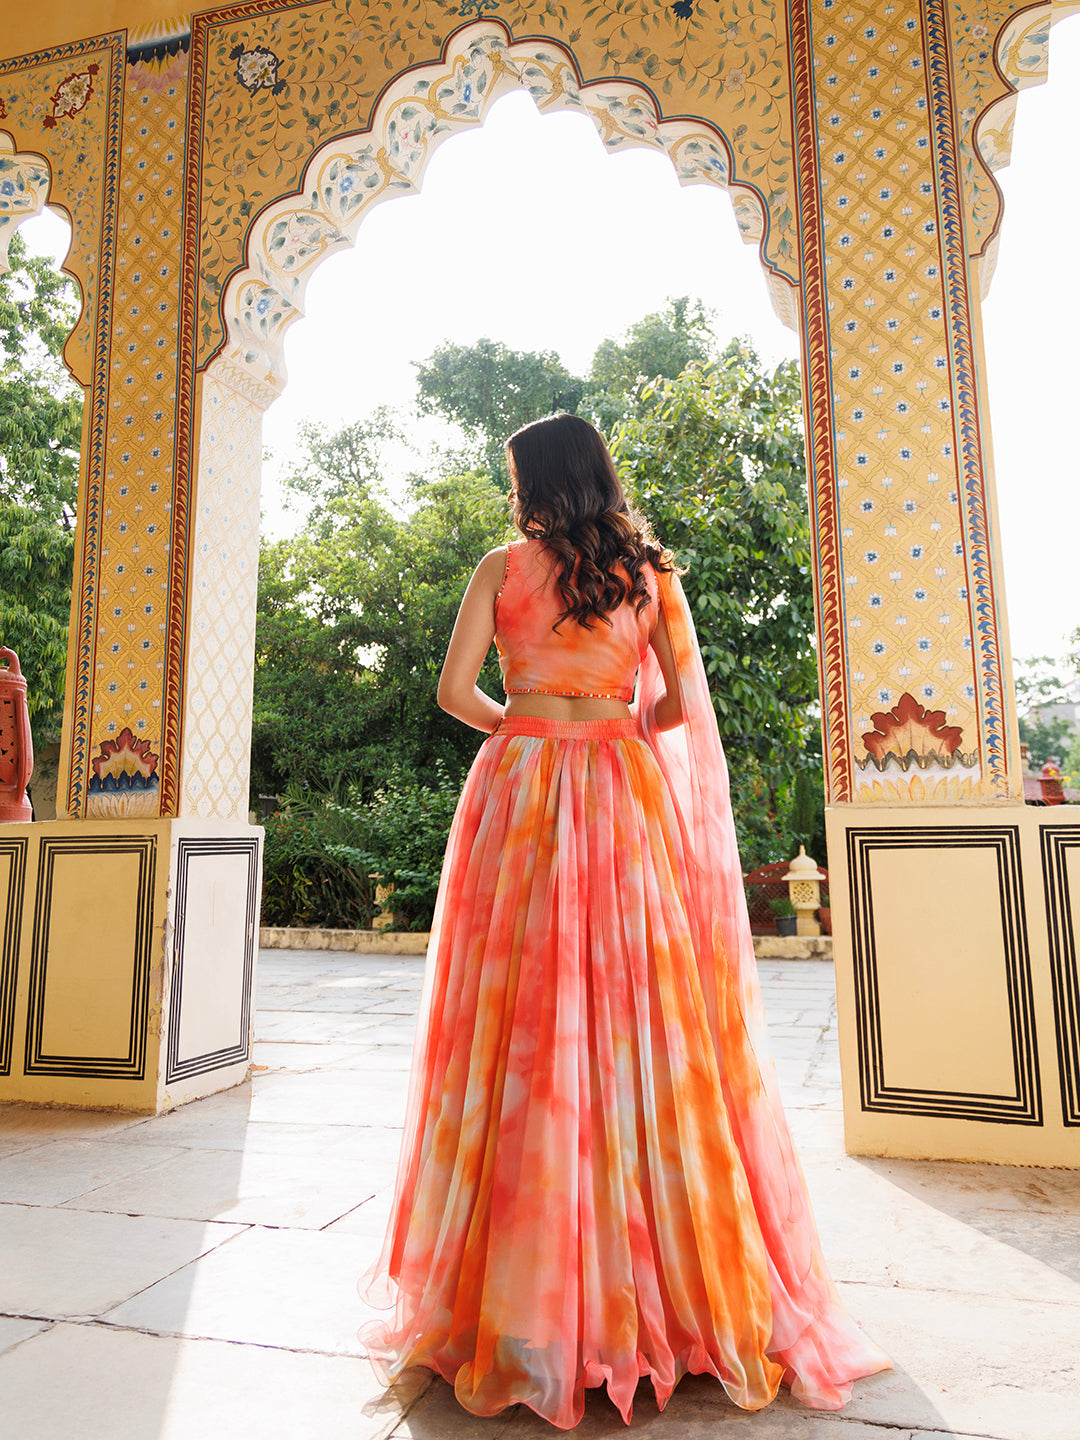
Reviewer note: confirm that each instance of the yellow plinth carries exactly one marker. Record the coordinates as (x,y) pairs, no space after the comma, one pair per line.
(127,961)
(955,937)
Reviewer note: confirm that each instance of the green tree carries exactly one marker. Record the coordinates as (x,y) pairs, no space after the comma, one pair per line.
(1042,684)
(491,391)
(658,346)
(353,622)
(715,461)
(1070,763)
(40,429)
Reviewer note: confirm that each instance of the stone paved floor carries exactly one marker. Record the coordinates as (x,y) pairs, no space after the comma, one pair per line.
(192,1277)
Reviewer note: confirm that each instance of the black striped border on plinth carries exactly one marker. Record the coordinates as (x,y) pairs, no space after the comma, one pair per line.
(132,1065)
(1061,922)
(177,1069)
(16,850)
(1024,1105)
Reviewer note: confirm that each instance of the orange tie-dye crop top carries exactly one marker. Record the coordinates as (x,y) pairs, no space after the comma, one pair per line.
(601,662)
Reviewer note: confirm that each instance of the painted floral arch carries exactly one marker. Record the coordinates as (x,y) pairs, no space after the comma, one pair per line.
(24,188)
(346,178)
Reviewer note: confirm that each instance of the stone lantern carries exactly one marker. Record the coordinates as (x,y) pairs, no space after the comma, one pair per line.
(804,889)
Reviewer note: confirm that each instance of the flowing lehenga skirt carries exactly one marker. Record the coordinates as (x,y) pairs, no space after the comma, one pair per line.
(580,1198)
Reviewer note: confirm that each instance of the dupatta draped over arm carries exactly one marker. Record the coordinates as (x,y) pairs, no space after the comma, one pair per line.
(815,1340)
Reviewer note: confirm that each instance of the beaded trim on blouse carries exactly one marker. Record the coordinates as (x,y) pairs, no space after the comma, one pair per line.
(506,576)
(575,694)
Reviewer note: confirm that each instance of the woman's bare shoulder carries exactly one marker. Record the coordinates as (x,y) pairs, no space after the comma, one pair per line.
(494,562)
(491,571)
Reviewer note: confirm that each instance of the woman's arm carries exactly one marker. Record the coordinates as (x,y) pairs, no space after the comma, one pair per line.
(474,631)
(668,712)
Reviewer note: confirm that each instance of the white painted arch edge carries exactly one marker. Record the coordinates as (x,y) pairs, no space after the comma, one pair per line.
(346,178)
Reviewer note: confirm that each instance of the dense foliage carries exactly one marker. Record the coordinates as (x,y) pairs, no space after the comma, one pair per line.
(40,428)
(352,861)
(491,391)
(353,622)
(1046,690)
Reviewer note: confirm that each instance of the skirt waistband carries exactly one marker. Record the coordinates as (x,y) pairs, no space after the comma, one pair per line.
(541,729)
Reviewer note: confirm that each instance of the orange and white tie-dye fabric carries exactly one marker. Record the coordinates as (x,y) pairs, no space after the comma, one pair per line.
(597,1182)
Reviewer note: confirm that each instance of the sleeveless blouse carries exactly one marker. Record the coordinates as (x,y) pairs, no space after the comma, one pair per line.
(600,663)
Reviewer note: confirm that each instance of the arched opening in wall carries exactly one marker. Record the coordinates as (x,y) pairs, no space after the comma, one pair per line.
(1032,319)
(529,234)
(39,472)
(526,232)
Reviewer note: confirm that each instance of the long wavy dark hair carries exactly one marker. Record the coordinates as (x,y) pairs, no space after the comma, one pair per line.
(567,494)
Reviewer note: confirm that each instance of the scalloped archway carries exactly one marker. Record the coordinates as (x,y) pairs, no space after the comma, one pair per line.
(345,179)
(342,182)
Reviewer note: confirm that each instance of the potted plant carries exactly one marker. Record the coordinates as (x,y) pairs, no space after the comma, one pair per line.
(825,914)
(786,919)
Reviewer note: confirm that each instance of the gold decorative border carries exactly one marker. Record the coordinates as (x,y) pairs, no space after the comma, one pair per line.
(820,421)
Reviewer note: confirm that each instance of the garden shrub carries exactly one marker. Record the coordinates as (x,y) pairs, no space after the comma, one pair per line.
(314,871)
(325,853)
(406,827)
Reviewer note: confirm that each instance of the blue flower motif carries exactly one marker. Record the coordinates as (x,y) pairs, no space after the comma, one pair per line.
(263,304)
(345,184)
(683,9)
(466,94)
(7,188)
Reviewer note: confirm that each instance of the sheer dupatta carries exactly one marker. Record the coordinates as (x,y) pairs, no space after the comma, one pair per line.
(820,1347)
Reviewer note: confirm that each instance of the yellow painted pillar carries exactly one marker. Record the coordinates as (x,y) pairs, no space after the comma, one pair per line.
(130,924)
(955,967)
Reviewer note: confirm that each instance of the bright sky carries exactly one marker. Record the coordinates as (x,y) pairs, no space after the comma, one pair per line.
(529,233)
